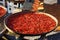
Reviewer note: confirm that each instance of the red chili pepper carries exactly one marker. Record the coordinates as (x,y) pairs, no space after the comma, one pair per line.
(31,23)
(2,11)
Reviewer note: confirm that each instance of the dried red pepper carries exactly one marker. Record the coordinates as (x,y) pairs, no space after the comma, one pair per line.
(31,23)
(2,11)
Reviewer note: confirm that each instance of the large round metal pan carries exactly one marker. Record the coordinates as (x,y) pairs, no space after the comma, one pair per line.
(2,28)
(24,12)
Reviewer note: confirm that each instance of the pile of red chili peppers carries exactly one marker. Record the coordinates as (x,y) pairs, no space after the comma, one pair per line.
(31,23)
(2,11)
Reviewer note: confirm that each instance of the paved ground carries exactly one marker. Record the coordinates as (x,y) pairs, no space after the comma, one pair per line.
(54,10)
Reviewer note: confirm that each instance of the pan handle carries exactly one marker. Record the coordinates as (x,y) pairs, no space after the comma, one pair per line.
(21,37)
(43,37)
